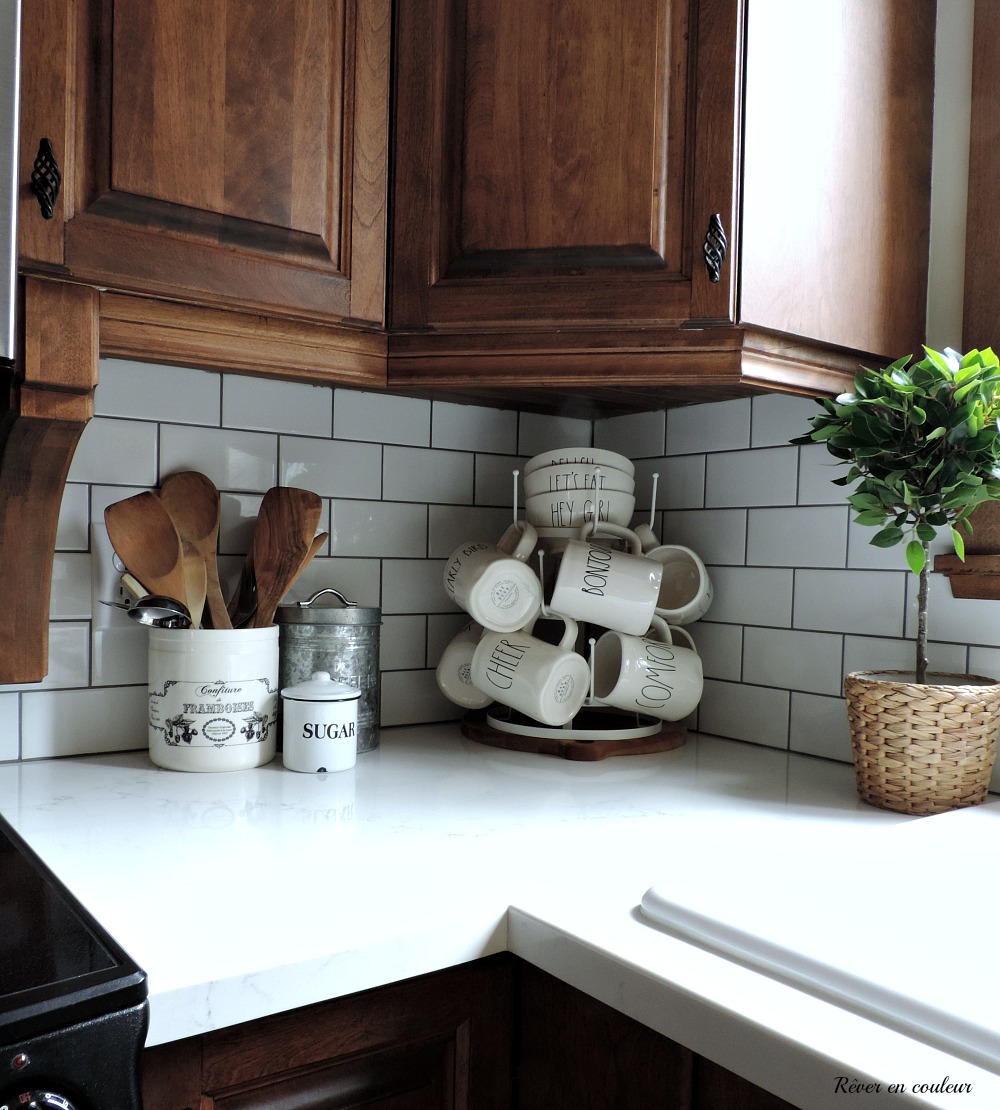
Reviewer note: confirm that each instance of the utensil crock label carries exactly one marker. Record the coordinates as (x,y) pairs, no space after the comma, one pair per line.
(214,714)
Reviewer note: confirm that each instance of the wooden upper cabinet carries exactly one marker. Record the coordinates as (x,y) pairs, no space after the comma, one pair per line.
(562,162)
(559,169)
(228,154)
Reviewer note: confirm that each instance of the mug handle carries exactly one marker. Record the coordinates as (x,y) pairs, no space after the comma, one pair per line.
(519,540)
(591,526)
(568,640)
(668,631)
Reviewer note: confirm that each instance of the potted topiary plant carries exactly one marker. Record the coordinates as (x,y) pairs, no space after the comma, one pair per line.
(923,442)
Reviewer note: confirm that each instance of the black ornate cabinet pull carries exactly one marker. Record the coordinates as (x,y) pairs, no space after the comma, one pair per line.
(715,247)
(46,178)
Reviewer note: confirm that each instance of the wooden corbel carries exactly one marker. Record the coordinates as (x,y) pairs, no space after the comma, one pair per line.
(48,403)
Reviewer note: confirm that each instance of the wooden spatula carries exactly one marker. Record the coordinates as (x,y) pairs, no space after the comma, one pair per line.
(282,539)
(144,536)
(193,503)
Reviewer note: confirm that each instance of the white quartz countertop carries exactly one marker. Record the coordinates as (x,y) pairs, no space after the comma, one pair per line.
(252,892)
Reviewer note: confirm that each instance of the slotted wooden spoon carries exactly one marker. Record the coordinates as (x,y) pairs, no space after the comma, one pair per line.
(282,540)
(144,536)
(193,503)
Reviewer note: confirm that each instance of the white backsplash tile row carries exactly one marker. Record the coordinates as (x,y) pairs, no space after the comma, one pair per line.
(797,536)
(761,477)
(381,418)
(471,428)
(165,394)
(425,475)
(10,727)
(800,596)
(265,405)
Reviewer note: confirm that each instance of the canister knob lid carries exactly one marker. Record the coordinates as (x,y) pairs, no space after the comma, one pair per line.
(321,687)
(308,612)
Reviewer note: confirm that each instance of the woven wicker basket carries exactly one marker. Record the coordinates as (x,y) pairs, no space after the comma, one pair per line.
(922,748)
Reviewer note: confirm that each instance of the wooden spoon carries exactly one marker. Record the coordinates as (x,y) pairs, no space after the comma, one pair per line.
(194,582)
(144,536)
(282,538)
(193,503)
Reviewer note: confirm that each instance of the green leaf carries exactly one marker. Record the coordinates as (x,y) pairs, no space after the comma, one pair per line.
(958,540)
(935,433)
(915,556)
(888,537)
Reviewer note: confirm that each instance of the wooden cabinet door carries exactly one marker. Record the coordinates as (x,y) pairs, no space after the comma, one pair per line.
(563,162)
(229,153)
(439,1042)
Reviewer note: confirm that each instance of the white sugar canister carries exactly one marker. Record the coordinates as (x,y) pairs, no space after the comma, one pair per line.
(320,724)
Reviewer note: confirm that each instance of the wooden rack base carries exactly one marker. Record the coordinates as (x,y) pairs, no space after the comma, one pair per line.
(476,727)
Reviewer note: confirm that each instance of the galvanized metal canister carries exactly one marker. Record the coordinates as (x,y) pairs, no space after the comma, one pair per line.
(329,633)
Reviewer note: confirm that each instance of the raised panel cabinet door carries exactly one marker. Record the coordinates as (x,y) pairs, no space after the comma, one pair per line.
(224,153)
(562,162)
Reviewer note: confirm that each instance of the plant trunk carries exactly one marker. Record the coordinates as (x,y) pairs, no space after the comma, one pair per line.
(925,577)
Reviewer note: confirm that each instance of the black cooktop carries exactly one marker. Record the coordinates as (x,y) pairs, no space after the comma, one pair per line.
(58,965)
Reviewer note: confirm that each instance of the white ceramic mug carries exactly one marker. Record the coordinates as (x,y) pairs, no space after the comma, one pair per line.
(648,674)
(492,583)
(596,583)
(647,537)
(454,670)
(546,682)
(686,589)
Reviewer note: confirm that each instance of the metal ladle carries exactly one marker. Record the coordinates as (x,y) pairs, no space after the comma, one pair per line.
(156,611)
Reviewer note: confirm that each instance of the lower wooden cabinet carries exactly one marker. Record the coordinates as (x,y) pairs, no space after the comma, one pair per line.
(496,1034)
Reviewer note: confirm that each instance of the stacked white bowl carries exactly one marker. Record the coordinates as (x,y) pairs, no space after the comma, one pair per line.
(567,487)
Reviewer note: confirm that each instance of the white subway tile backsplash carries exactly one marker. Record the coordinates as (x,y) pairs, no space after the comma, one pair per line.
(71,589)
(680,483)
(776,417)
(10,727)
(876,653)
(331,468)
(119,655)
(865,602)
(792,660)
(379,529)
(817,469)
(754,713)
(265,405)
(413,698)
(720,426)
(359,580)
(495,481)
(403,642)
(767,476)
(381,418)
(117,452)
(404,481)
(957,619)
(450,525)
(414,586)
(147,391)
(538,433)
(77,722)
(635,435)
(233,460)
(73,526)
(413,474)
(720,647)
(752,595)
(471,428)
(818,726)
(797,536)
(717,535)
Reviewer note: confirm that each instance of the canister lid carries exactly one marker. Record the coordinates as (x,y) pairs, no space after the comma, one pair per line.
(309,612)
(321,687)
